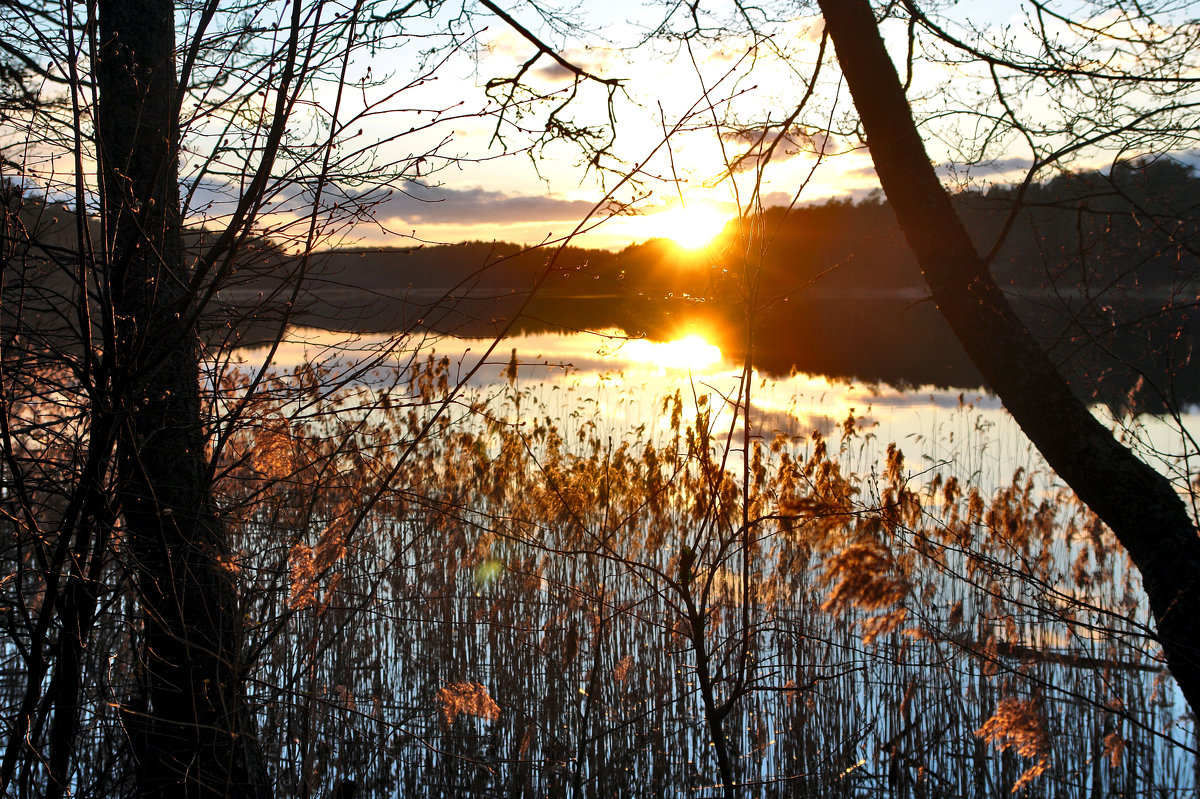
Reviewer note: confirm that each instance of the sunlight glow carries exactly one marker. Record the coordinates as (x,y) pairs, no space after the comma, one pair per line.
(691,227)
(691,352)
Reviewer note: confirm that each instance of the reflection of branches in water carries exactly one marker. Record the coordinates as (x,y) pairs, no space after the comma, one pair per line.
(569,575)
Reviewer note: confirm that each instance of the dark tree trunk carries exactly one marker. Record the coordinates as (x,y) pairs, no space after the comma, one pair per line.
(194,737)
(1136,502)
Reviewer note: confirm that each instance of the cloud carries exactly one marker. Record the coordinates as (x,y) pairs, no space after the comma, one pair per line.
(993,168)
(1189,157)
(455,214)
(769,142)
(598,62)
(962,173)
(508,51)
(771,199)
(555,73)
(417,203)
(865,171)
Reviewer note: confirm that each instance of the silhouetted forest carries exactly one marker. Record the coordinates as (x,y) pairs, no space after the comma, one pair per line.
(1103,267)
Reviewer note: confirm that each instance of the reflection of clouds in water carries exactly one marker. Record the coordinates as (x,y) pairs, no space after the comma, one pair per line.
(591,379)
(928,397)
(609,358)
(590,358)
(769,423)
(340,353)
(622,369)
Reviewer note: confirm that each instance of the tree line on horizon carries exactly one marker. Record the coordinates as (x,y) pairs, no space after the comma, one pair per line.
(1101,265)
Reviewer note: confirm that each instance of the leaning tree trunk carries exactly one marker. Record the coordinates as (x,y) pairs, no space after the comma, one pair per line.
(190,732)
(1140,505)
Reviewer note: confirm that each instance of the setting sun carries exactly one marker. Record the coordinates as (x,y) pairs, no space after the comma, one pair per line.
(691,227)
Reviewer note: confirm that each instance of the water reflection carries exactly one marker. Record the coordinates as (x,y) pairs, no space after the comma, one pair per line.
(690,353)
(626,379)
(558,559)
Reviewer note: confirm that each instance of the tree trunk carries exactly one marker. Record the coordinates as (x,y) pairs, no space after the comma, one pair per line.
(194,738)
(1140,505)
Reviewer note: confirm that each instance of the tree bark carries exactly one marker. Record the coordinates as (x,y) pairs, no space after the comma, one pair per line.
(194,737)
(1138,504)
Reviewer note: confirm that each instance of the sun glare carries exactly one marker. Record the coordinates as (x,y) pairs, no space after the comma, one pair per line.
(691,353)
(691,227)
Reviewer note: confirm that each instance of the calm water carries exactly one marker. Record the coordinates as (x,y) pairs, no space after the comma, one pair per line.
(563,576)
(627,379)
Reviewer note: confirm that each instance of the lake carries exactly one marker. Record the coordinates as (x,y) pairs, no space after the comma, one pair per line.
(574,582)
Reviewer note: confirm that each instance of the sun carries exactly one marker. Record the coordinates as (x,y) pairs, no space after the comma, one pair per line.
(691,227)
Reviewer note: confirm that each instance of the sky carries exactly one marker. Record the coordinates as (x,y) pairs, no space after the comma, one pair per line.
(667,170)
(675,149)
(438,160)
(686,146)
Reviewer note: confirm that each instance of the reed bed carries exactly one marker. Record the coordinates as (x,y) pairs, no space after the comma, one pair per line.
(534,606)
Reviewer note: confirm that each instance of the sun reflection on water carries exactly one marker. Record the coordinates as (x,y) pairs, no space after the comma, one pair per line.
(690,353)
